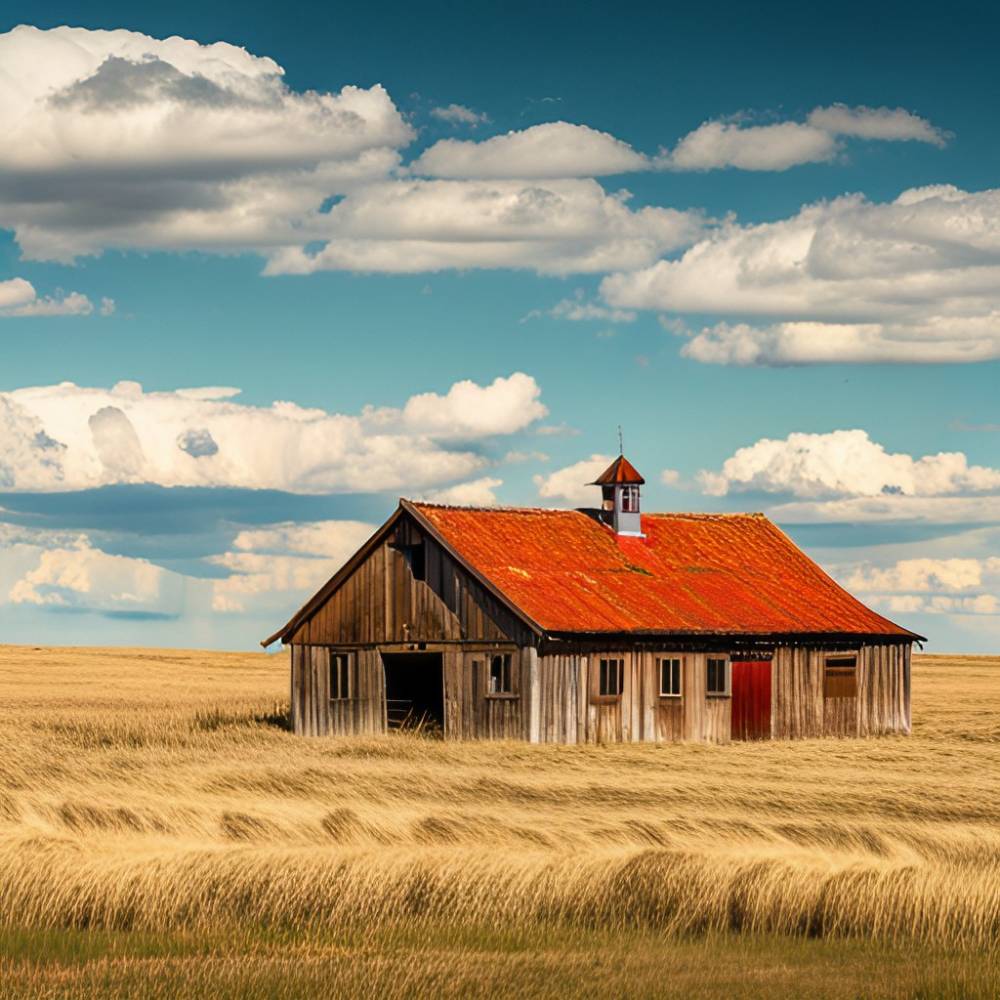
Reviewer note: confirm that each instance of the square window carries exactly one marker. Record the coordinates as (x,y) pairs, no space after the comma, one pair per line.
(670,677)
(501,679)
(840,677)
(717,678)
(341,686)
(610,677)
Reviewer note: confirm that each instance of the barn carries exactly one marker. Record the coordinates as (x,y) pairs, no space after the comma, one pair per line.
(592,625)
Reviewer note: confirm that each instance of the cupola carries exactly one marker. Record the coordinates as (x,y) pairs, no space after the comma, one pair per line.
(620,496)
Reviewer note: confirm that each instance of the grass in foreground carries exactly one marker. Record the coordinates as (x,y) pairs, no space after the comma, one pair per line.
(160,833)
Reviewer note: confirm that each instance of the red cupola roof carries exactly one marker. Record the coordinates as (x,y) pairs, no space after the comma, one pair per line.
(619,472)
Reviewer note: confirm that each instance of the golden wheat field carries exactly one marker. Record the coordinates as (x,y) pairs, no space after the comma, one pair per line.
(162,834)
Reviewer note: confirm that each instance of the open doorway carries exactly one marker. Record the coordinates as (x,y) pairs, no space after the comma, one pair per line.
(414,692)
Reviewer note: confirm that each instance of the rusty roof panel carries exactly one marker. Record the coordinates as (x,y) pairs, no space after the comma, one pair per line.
(711,573)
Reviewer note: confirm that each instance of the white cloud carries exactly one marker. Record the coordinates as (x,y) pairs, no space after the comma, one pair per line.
(570,484)
(982,604)
(577,309)
(116,139)
(891,509)
(459,114)
(551,150)
(269,564)
(916,279)
(921,575)
(67,437)
(845,463)
(965,586)
(477,493)
(553,227)
(756,147)
(717,144)
(525,456)
(19,298)
(889,124)
(469,410)
(670,477)
(82,577)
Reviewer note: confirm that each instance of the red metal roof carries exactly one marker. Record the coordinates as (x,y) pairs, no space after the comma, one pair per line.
(621,470)
(708,573)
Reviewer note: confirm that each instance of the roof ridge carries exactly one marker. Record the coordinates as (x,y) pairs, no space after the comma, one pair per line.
(516,509)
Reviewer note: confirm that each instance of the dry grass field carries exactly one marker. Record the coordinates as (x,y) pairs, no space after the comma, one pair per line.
(161,834)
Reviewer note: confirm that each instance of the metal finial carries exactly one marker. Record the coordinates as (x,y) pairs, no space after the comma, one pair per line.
(621,447)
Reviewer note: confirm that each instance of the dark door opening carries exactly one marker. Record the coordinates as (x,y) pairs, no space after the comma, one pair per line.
(414,691)
(751,700)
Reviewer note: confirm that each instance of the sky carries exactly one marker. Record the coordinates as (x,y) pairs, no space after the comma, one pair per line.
(262,273)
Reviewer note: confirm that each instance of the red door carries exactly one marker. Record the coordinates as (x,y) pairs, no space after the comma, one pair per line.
(751,700)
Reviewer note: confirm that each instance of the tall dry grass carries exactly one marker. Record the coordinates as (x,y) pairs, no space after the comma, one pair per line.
(155,791)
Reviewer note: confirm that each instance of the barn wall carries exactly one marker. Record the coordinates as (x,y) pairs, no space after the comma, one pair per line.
(555,697)
(882,703)
(314,714)
(571,711)
(381,602)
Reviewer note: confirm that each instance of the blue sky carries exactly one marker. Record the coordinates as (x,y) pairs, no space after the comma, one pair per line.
(766,243)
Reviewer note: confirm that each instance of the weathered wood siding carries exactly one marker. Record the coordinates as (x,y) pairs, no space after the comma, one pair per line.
(315,714)
(381,602)
(571,710)
(555,696)
(882,703)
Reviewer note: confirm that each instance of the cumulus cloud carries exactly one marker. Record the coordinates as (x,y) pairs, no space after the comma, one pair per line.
(553,227)
(923,575)
(469,410)
(266,565)
(67,437)
(82,577)
(931,586)
(477,493)
(916,279)
(778,146)
(551,150)
(19,298)
(570,484)
(845,463)
(459,114)
(757,147)
(117,139)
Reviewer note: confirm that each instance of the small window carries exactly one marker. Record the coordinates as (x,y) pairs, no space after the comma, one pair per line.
(610,680)
(670,678)
(501,679)
(341,687)
(840,677)
(717,679)
(630,499)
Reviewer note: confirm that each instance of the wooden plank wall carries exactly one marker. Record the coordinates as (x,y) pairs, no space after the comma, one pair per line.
(571,712)
(314,714)
(882,705)
(381,602)
(555,697)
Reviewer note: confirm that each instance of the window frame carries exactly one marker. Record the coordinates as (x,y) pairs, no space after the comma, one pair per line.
(602,673)
(661,661)
(629,499)
(727,676)
(507,666)
(841,673)
(341,669)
